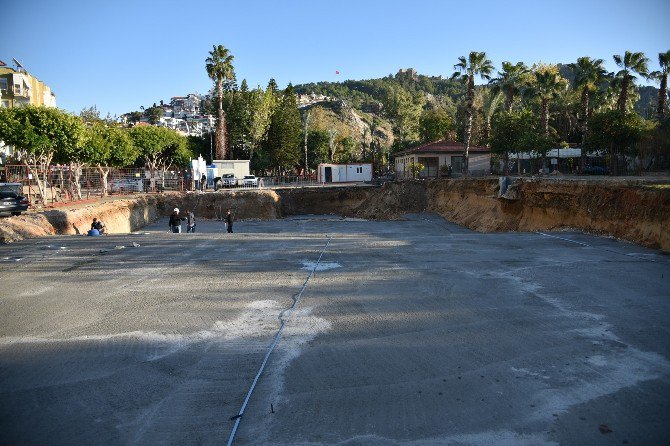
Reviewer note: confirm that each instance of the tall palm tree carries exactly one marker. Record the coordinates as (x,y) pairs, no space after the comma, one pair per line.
(509,81)
(589,73)
(549,84)
(475,65)
(490,101)
(219,67)
(629,63)
(662,77)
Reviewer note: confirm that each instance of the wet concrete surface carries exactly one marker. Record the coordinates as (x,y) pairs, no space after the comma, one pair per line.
(409,332)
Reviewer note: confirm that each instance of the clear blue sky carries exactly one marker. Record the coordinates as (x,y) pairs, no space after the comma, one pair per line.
(119,55)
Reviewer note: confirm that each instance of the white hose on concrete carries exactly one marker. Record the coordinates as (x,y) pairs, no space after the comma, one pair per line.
(282,320)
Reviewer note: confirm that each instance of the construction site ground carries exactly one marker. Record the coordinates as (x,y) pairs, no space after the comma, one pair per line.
(415,331)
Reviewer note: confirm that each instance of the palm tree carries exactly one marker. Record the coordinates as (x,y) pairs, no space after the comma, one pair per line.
(475,65)
(490,102)
(662,77)
(549,84)
(219,67)
(629,63)
(510,80)
(589,73)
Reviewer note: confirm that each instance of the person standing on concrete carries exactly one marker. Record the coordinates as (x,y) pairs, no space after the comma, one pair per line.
(175,221)
(229,221)
(190,222)
(203,182)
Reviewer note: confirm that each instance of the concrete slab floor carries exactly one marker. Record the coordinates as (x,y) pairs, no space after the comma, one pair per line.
(409,332)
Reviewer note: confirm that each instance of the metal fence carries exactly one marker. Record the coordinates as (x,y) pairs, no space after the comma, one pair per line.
(63,184)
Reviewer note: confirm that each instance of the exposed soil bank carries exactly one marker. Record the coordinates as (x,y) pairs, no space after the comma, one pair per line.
(631,210)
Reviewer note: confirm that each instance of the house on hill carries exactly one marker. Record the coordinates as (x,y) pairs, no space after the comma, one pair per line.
(437,154)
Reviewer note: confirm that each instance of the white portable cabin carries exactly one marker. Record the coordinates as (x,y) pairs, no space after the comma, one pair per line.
(239,168)
(344,173)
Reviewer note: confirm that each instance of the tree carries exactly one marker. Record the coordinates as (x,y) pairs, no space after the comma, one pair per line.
(415,168)
(589,73)
(548,85)
(435,124)
(514,132)
(491,102)
(284,133)
(38,134)
(404,110)
(510,81)
(317,147)
(629,63)
(90,115)
(262,105)
(109,147)
(160,147)
(219,66)
(154,114)
(662,77)
(467,69)
(616,131)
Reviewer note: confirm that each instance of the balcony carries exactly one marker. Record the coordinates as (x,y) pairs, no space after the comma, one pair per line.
(21,92)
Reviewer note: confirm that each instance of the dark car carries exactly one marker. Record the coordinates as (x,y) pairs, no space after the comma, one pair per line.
(12,202)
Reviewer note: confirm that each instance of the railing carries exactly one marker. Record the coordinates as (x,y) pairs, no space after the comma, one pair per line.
(63,184)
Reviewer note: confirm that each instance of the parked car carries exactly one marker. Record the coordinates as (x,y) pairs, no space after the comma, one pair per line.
(225,180)
(12,201)
(250,181)
(596,170)
(126,185)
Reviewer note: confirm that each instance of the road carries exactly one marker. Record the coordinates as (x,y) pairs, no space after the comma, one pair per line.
(408,332)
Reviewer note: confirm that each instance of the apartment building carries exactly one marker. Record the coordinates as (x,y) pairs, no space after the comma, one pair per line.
(18,87)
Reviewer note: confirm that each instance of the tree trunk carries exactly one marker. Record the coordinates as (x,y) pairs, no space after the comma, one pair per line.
(585,127)
(469,112)
(662,97)
(221,151)
(544,117)
(623,96)
(74,180)
(104,172)
(509,98)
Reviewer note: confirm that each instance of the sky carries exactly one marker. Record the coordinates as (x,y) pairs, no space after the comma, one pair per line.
(120,55)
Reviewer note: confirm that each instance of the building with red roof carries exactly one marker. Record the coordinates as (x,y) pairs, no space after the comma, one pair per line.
(437,154)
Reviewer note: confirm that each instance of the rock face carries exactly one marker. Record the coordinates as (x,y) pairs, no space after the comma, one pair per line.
(630,210)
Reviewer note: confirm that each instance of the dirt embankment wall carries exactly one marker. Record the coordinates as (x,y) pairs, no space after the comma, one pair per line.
(628,210)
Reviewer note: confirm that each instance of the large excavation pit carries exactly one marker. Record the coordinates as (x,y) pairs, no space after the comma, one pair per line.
(416,331)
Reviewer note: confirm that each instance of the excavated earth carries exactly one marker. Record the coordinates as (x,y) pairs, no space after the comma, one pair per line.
(633,210)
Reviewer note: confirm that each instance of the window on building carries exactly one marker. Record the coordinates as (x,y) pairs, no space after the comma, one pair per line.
(3,83)
(4,104)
